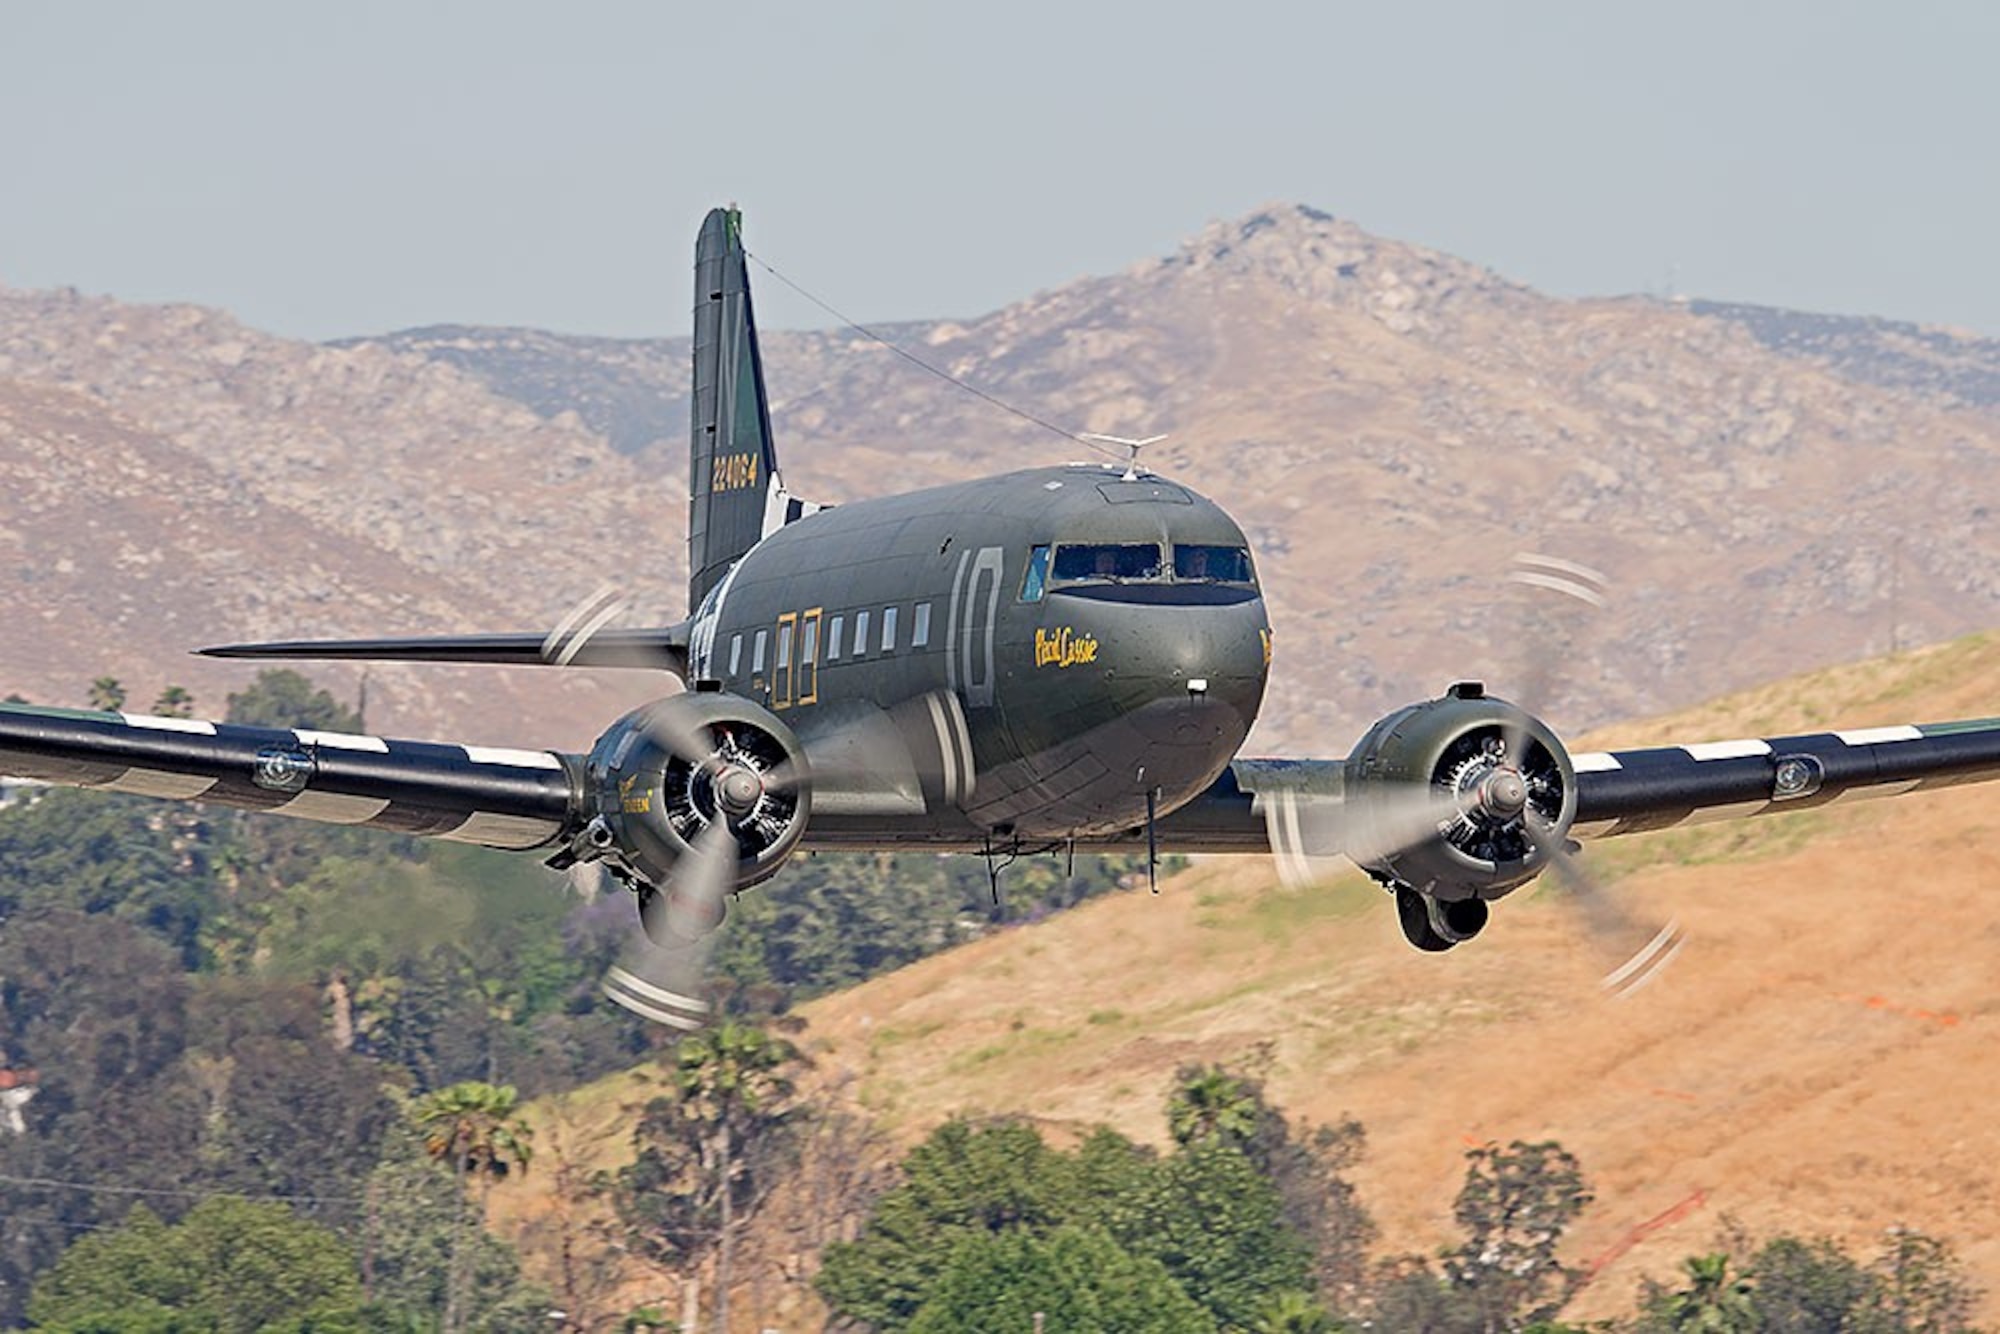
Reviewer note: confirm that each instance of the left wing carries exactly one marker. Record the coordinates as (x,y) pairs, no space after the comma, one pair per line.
(499,798)
(1293,808)
(1632,791)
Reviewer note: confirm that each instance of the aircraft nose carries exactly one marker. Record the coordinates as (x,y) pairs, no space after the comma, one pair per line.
(1213,655)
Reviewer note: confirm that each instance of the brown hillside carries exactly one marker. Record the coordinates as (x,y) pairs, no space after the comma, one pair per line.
(1821,1058)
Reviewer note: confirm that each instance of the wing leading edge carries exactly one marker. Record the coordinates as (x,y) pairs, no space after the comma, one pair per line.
(499,798)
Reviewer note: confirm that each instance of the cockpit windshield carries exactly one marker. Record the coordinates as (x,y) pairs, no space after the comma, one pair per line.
(1122,562)
(1212,564)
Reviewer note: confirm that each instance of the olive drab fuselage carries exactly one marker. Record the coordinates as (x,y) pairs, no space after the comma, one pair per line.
(1044,700)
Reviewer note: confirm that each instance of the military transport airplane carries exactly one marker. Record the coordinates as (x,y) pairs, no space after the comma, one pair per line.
(1061,657)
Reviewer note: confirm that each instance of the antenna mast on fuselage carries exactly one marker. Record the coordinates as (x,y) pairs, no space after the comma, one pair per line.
(1132,459)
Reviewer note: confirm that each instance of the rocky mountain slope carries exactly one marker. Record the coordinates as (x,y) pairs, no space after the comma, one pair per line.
(1390,424)
(175,479)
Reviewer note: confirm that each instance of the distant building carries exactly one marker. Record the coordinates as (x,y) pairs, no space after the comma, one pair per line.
(17,1088)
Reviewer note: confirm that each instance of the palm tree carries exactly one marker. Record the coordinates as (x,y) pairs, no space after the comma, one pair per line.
(473,1127)
(106,695)
(1714,1301)
(733,1082)
(1209,1102)
(174,702)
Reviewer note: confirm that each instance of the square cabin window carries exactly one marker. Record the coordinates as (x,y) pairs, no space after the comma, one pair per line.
(920,625)
(888,629)
(860,634)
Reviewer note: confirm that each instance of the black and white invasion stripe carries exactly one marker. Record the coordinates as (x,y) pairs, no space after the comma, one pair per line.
(1633,791)
(500,798)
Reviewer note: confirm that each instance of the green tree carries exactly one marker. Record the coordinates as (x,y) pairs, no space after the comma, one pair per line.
(1294,1313)
(281,697)
(174,702)
(232,1266)
(1208,1102)
(412,1217)
(709,1154)
(1308,1165)
(113,857)
(1074,1279)
(1710,1300)
(1808,1287)
(472,1128)
(1920,1287)
(294,1115)
(1217,1224)
(1514,1209)
(965,1179)
(107,695)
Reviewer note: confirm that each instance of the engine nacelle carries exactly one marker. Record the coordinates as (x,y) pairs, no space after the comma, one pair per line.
(664,776)
(1459,798)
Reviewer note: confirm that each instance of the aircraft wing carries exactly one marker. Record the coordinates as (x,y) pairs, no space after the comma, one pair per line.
(513,799)
(1293,808)
(663,649)
(1633,791)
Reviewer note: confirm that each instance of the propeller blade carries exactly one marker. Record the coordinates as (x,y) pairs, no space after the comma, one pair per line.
(662,974)
(1643,951)
(660,985)
(1315,835)
(1563,597)
(1566,596)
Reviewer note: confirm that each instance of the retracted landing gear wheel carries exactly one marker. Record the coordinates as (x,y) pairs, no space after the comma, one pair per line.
(1414,916)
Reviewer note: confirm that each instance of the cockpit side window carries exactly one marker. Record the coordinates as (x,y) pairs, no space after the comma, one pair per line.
(1037,575)
(1212,564)
(1116,562)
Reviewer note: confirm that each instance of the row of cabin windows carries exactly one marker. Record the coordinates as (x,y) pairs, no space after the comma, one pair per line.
(836,643)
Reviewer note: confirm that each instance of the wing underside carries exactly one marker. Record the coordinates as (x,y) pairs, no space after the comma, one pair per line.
(500,798)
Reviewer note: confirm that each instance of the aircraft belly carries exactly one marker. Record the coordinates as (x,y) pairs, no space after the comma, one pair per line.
(1094,781)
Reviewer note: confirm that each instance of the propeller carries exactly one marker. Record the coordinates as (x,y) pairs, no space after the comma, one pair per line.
(721,787)
(1476,793)
(662,973)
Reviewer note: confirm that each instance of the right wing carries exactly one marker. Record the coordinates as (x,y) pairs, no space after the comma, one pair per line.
(499,798)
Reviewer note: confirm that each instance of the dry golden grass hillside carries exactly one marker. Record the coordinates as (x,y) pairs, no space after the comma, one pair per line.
(1821,1058)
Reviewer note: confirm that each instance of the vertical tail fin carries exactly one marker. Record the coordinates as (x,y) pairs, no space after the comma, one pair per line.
(734,481)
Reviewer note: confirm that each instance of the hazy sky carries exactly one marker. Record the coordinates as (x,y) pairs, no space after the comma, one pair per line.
(353,167)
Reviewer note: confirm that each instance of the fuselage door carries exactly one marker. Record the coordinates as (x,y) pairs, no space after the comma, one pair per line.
(809,649)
